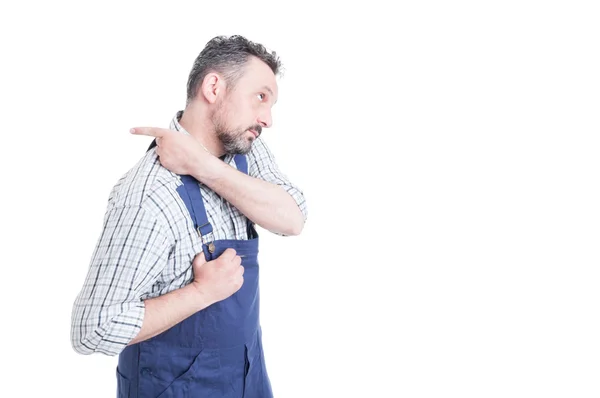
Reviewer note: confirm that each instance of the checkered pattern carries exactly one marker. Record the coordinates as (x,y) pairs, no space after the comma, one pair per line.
(261,164)
(148,243)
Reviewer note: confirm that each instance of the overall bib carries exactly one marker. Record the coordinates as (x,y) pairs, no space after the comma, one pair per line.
(217,352)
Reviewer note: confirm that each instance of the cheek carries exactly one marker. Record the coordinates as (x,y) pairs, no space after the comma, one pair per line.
(242,113)
(254,111)
(246,114)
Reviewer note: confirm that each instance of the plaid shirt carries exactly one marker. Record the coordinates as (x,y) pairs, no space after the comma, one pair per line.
(148,243)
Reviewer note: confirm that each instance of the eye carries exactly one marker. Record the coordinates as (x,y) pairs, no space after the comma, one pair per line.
(261,96)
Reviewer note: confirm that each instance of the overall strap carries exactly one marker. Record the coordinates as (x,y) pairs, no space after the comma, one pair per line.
(241,163)
(192,197)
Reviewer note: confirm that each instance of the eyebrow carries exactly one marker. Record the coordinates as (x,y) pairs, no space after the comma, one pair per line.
(267,88)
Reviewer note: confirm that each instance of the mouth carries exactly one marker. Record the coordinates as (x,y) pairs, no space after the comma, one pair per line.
(254,133)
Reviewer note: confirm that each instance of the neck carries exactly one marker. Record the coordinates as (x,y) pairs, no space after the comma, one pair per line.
(196,121)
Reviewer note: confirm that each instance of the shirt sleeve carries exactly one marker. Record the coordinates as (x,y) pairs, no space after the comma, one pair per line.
(262,164)
(130,254)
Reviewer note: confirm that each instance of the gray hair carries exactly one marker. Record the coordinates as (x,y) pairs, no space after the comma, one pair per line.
(228,56)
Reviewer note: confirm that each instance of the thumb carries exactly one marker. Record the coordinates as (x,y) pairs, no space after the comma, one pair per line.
(200,259)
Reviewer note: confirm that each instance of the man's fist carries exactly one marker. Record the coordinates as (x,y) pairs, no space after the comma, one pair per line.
(218,279)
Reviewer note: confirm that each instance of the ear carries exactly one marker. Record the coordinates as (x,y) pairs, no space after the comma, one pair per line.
(212,87)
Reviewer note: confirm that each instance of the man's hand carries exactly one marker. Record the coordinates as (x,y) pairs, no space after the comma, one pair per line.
(178,152)
(266,203)
(220,278)
(213,281)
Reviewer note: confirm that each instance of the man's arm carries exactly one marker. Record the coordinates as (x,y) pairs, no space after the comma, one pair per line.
(109,312)
(166,311)
(265,203)
(265,196)
(130,254)
(213,281)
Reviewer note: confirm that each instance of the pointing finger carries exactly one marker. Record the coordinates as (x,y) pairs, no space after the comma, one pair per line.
(151,131)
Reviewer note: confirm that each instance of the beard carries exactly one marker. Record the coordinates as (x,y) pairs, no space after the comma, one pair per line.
(234,140)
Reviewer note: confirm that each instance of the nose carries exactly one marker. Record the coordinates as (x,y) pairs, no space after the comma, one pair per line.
(265,119)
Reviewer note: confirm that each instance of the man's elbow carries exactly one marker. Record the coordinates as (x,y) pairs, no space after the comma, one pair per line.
(80,344)
(296,227)
(89,340)
(86,346)
(89,335)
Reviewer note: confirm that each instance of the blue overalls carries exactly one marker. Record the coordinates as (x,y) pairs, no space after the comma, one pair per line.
(216,352)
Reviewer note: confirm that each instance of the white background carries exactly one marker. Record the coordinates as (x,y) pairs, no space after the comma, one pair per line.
(448,152)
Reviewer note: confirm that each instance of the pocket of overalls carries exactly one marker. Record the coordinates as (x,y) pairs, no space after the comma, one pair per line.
(257,380)
(122,385)
(203,378)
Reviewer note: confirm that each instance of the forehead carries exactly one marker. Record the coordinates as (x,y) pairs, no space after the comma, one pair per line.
(259,76)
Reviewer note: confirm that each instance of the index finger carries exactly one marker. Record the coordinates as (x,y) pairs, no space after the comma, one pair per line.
(151,131)
(229,253)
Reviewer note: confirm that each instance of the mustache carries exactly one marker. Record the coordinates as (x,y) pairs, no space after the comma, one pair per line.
(256,128)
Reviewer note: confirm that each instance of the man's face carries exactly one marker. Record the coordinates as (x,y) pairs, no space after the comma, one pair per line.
(245,110)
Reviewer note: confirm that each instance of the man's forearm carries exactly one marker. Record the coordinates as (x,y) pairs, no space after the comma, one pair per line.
(164,312)
(266,204)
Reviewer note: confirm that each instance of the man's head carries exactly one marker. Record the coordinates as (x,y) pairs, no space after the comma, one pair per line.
(235,79)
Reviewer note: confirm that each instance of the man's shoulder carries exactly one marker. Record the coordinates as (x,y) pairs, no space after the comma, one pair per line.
(146,181)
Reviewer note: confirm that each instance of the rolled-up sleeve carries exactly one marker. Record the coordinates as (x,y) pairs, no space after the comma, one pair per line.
(262,164)
(130,254)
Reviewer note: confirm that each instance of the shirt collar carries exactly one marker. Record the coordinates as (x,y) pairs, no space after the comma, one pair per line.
(175,123)
(176,126)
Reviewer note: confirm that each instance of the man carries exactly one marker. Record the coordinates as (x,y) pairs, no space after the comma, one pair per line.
(173,282)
